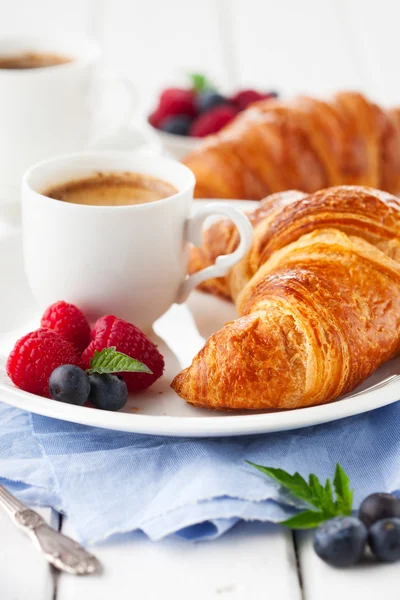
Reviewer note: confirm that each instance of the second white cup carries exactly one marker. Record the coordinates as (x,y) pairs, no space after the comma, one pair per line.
(54,109)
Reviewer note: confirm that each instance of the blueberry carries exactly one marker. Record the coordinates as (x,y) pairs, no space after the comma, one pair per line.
(108,392)
(207,100)
(377,507)
(384,539)
(341,541)
(70,384)
(178,125)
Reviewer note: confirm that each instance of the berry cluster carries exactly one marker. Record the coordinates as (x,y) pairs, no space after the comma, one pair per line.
(342,541)
(50,361)
(200,110)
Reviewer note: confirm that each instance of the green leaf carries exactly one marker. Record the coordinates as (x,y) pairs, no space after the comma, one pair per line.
(328,506)
(296,484)
(305,520)
(200,83)
(111,361)
(344,495)
(317,490)
(313,492)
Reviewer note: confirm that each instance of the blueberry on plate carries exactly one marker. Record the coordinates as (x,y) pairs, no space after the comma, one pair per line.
(205,101)
(70,384)
(178,125)
(341,541)
(377,507)
(384,539)
(108,392)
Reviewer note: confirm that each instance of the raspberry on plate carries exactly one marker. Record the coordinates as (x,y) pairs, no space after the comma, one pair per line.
(70,322)
(212,121)
(110,331)
(34,358)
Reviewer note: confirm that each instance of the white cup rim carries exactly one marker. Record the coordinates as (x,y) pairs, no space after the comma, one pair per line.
(89,52)
(115,155)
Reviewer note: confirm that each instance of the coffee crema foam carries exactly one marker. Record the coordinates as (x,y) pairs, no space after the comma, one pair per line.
(32,60)
(112,189)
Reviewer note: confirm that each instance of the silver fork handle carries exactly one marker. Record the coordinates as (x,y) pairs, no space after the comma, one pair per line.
(62,552)
(9,502)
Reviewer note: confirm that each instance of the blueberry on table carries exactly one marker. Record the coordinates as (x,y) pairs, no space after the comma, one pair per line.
(108,392)
(178,125)
(207,100)
(377,507)
(69,384)
(384,540)
(341,541)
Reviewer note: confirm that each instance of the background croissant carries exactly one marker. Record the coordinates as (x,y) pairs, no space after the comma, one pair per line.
(318,298)
(302,143)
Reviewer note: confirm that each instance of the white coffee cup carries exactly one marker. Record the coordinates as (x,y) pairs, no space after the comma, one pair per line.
(49,110)
(129,261)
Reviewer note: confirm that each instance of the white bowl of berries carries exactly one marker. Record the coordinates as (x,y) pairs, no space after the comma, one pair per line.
(184,116)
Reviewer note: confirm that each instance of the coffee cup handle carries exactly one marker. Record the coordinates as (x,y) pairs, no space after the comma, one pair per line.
(223,263)
(124,117)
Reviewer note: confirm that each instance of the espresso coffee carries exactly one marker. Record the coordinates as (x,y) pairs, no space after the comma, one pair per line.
(112,189)
(32,60)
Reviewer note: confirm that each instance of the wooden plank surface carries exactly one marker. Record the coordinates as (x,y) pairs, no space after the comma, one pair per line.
(316,47)
(251,561)
(369,580)
(24,573)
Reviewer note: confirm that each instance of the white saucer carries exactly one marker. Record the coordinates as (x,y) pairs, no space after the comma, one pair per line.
(180,334)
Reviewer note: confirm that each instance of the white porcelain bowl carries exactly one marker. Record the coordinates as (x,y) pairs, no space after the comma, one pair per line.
(176,146)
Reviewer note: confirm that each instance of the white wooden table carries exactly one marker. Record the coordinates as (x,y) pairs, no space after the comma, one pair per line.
(253,561)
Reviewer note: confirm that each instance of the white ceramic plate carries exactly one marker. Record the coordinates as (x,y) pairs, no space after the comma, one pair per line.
(180,333)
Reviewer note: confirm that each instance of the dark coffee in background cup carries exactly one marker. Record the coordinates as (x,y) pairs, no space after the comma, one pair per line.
(32,60)
(112,189)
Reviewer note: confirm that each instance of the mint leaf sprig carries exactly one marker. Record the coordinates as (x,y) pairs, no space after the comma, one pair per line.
(319,496)
(200,83)
(111,361)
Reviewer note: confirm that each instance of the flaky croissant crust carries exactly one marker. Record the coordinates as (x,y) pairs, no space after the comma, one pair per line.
(302,143)
(318,298)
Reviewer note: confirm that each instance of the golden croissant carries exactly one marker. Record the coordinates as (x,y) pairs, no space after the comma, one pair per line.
(318,298)
(304,144)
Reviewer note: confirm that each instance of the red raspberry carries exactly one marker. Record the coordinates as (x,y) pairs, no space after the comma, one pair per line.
(212,121)
(110,331)
(246,97)
(67,320)
(173,101)
(34,358)
(176,101)
(156,117)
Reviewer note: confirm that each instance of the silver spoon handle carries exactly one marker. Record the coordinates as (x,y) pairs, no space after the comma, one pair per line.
(62,552)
